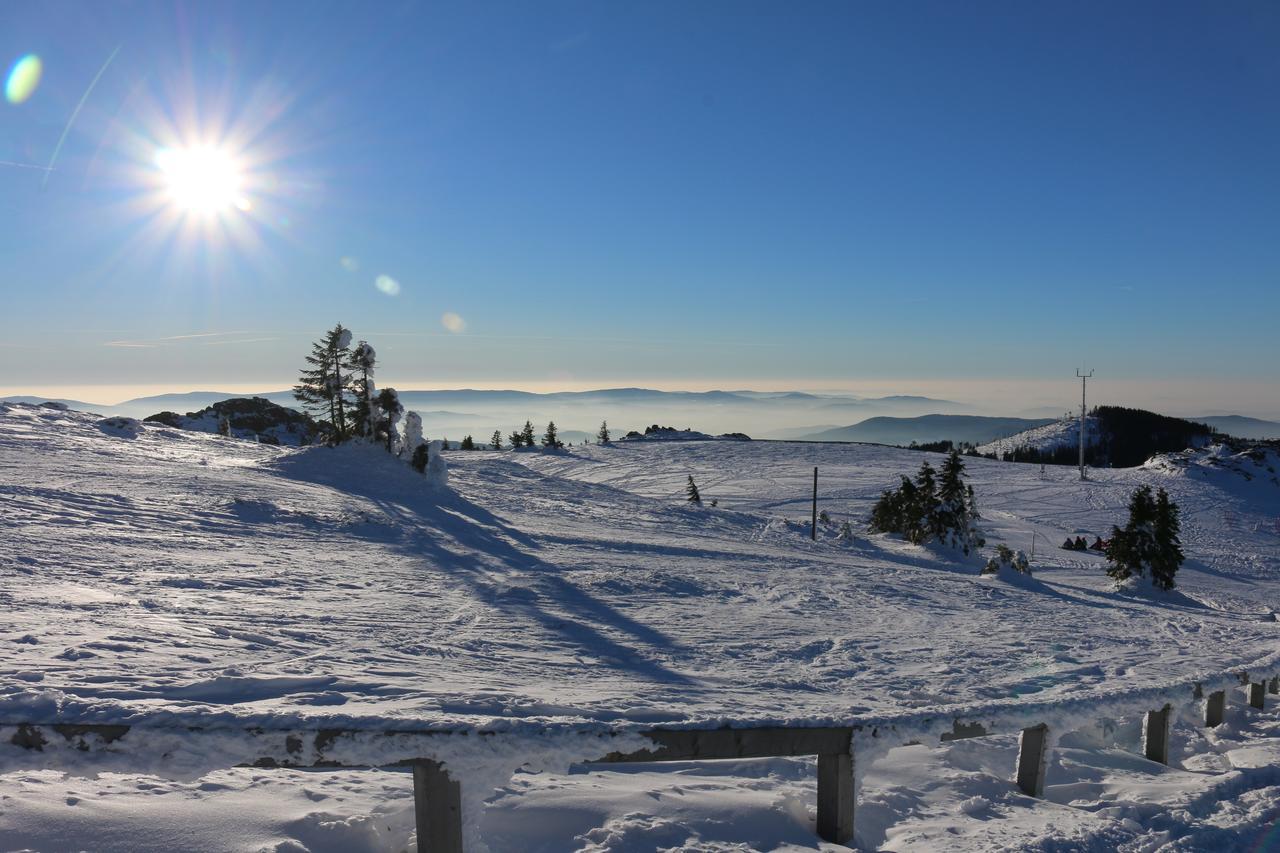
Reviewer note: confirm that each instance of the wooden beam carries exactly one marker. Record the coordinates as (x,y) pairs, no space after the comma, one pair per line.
(1155,735)
(1033,760)
(1215,709)
(961,731)
(1257,694)
(437,808)
(835,797)
(717,744)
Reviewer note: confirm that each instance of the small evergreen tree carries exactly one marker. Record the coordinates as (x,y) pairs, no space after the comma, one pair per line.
(550,438)
(930,508)
(602,437)
(1168,553)
(390,409)
(691,492)
(1132,551)
(420,458)
(517,439)
(224,426)
(361,363)
(495,443)
(526,434)
(323,386)
(444,444)
(467,443)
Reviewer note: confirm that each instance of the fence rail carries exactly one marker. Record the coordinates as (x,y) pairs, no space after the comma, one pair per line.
(438,794)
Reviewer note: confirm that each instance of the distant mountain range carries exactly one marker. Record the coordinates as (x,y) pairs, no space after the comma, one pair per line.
(974,429)
(1241,426)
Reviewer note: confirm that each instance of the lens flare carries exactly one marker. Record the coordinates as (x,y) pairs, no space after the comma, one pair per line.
(201,180)
(387,285)
(23,79)
(453,322)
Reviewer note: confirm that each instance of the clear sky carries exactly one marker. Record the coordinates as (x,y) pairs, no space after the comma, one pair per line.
(924,196)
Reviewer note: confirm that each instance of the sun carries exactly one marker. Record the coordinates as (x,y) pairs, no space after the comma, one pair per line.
(201,180)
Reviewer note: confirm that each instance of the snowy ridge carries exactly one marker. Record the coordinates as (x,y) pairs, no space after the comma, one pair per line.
(1062,433)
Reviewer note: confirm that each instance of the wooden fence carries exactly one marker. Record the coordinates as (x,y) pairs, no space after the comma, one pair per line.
(438,795)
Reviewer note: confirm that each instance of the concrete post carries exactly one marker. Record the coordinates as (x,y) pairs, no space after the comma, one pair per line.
(1215,709)
(1155,735)
(835,797)
(1273,686)
(1033,759)
(437,806)
(1257,694)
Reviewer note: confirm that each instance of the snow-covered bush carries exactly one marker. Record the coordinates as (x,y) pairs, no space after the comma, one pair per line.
(1006,558)
(412,433)
(420,458)
(437,470)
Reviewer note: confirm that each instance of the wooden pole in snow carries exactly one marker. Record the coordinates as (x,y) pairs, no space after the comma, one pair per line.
(814,530)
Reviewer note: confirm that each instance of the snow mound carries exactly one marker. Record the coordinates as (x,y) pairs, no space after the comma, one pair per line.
(437,469)
(1250,462)
(121,427)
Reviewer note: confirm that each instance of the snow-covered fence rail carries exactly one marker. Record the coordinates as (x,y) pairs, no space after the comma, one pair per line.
(442,761)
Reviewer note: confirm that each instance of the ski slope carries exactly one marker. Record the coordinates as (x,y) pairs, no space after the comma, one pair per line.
(184,576)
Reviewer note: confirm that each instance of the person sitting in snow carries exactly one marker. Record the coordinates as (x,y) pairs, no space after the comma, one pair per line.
(1098,544)
(1068,545)
(1081,545)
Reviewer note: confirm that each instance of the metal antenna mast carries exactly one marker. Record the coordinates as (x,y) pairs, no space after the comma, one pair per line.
(1084,379)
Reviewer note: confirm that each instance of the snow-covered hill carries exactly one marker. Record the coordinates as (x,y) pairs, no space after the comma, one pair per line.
(1064,432)
(178,573)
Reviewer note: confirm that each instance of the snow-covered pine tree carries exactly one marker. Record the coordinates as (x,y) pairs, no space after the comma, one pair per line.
(526,434)
(1131,550)
(495,443)
(361,363)
(517,439)
(954,519)
(1168,555)
(924,506)
(389,405)
(691,492)
(412,433)
(602,437)
(550,438)
(467,443)
(322,387)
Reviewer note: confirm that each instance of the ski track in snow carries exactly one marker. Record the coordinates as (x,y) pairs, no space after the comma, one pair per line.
(177,571)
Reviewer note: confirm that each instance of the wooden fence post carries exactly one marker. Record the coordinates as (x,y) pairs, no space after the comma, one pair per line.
(437,807)
(1273,686)
(1033,759)
(1155,735)
(835,797)
(1257,694)
(1215,709)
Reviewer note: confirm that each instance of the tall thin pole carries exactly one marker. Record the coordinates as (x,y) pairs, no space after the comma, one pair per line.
(814,530)
(1084,379)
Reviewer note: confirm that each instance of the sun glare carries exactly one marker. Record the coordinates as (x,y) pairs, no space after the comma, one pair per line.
(201,180)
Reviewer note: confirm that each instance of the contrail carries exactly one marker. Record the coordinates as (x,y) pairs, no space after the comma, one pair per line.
(25,165)
(74,113)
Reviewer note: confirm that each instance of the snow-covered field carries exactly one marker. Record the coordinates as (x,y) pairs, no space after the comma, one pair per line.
(178,576)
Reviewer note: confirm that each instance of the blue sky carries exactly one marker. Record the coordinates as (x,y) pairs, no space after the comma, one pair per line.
(818,195)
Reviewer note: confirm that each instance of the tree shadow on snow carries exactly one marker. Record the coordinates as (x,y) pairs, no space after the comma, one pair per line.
(497,563)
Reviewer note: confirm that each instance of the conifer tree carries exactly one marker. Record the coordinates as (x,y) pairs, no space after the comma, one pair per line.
(1168,552)
(517,439)
(322,387)
(526,434)
(549,438)
(391,410)
(420,458)
(495,443)
(1132,550)
(602,437)
(361,363)
(691,492)
(467,443)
